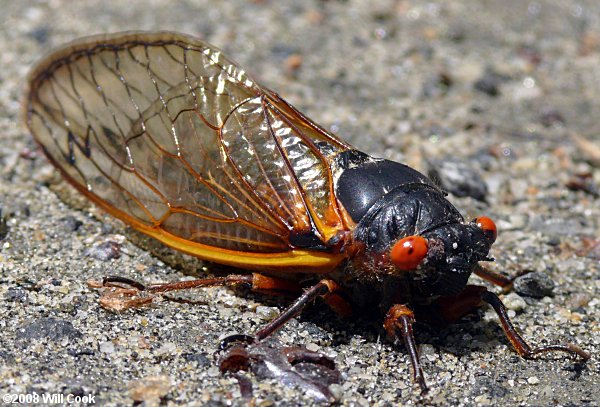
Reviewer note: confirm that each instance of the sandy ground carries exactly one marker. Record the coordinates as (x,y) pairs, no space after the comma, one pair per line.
(508,89)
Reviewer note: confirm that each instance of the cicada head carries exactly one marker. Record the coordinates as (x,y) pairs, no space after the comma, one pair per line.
(417,234)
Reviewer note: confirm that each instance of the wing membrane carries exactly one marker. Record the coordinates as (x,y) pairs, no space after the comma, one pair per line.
(169,135)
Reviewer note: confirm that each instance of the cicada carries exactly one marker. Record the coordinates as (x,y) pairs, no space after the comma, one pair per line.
(164,132)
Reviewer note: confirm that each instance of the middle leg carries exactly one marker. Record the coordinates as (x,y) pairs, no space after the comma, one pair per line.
(234,345)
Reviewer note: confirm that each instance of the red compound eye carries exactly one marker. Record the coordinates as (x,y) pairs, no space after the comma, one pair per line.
(408,252)
(488,226)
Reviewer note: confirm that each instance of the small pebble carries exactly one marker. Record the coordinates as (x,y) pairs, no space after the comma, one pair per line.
(313,347)
(71,223)
(535,285)
(482,400)
(15,294)
(336,390)
(167,348)
(52,328)
(428,351)
(200,359)
(533,380)
(458,178)
(578,300)
(267,312)
(514,302)
(490,83)
(107,347)
(104,251)
(149,389)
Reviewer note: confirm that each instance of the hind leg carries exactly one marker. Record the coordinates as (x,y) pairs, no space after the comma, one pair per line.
(123,293)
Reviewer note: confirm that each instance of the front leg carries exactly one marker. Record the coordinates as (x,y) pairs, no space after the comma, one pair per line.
(506,283)
(452,308)
(517,341)
(398,324)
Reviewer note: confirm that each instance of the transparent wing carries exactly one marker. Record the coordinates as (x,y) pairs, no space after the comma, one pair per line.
(169,135)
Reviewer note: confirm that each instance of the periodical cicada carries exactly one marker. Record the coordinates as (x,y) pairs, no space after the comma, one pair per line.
(164,132)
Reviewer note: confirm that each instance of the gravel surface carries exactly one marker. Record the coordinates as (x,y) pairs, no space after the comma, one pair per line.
(506,89)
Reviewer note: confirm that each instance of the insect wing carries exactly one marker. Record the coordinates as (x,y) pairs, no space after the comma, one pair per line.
(167,134)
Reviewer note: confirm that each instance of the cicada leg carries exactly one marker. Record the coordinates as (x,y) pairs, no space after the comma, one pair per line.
(125,293)
(506,283)
(494,278)
(452,308)
(234,345)
(398,324)
(517,341)
(328,289)
(297,355)
(240,352)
